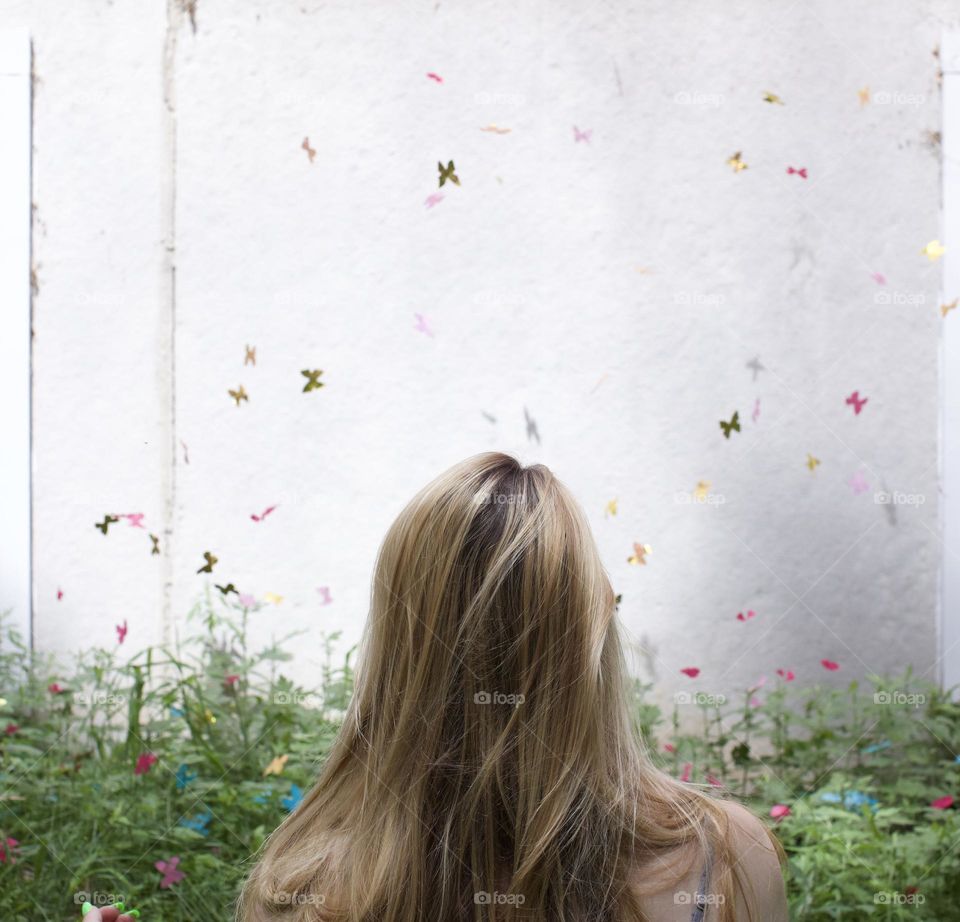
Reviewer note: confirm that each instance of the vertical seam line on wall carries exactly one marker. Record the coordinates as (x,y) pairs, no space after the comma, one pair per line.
(31,553)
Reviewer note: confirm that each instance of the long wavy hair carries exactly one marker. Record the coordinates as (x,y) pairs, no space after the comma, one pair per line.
(488,767)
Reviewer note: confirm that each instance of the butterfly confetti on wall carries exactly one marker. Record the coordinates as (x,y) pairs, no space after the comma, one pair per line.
(812,462)
(488,416)
(691,671)
(732,426)
(311,153)
(272,598)
(186,452)
(325,597)
(170,873)
(802,172)
(495,130)
(858,483)
(829,665)
(239,394)
(773,99)
(108,520)
(533,433)
(435,77)
(210,562)
(934,250)
(639,555)
(448,173)
(584,135)
(226,590)
(276,765)
(250,355)
(134,519)
(788,675)
(263,515)
(857,402)
(155,541)
(736,162)
(434,198)
(59,593)
(121,631)
(879,278)
(756,366)
(701,490)
(746,617)
(946,308)
(421,326)
(610,508)
(864,95)
(755,415)
(313,380)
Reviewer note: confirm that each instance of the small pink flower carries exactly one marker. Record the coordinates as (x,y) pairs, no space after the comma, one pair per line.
(55,688)
(691,671)
(787,675)
(6,850)
(231,680)
(943,803)
(779,811)
(829,664)
(171,873)
(246,600)
(755,702)
(10,729)
(669,747)
(714,781)
(687,770)
(145,762)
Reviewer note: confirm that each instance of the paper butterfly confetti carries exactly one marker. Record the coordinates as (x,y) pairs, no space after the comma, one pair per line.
(145,762)
(779,811)
(313,380)
(934,250)
(184,776)
(198,823)
(691,671)
(732,426)
(942,803)
(311,153)
(879,278)
(239,394)
(639,556)
(579,135)
(421,325)
(736,162)
(122,631)
(134,518)
(246,600)
(496,130)
(701,490)
(488,417)
(325,597)
(745,617)
(186,452)
(864,95)
(802,172)
(858,483)
(812,462)
(108,520)
(292,800)
(435,77)
(156,545)
(276,765)
(829,665)
(756,366)
(532,431)
(434,198)
(447,173)
(59,593)
(787,675)
(610,508)
(210,561)
(273,598)
(773,98)
(687,772)
(171,874)
(226,590)
(250,358)
(946,308)
(263,515)
(856,402)
(755,415)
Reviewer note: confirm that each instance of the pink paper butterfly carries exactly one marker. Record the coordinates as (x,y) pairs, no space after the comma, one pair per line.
(122,631)
(171,874)
(879,278)
(691,671)
(434,199)
(134,518)
(802,172)
(579,135)
(421,325)
(263,515)
(829,664)
(436,77)
(857,402)
(325,597)
(787,675)
(687,770)
(858,483)
(145,761)
(746,617)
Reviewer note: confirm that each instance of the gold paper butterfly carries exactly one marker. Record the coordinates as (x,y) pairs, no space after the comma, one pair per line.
(239,394)
(210,561)
(934,250)
(812,462)
(313,380)
(702,488)
(864,94)
(611,508)
(448,173)
(272,597)
(108,520)
(496,130)
(639,555)
(251,357)
(276,766)
(946,308)
(226,590)
(732,426)
(773,98)
(208,714)
(736,163)
(156,545)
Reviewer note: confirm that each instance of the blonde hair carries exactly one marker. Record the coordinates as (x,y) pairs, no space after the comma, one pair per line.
(488,767)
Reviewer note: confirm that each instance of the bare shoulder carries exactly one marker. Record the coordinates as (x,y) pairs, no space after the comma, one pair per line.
(758,861)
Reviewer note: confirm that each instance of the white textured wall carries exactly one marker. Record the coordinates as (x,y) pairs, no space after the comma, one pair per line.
(159,148)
